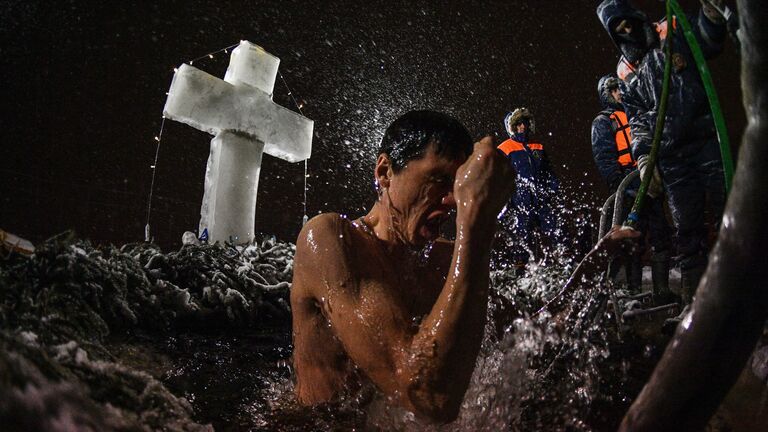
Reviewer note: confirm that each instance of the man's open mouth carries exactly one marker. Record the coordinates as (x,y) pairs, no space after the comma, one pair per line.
(431,227)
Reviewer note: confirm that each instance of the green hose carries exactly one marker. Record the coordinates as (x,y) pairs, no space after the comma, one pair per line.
(633,217)
(714,103)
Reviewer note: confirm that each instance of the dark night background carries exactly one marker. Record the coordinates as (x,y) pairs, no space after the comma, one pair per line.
(84,82)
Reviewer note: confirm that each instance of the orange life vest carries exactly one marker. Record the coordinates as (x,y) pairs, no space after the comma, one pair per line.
(623,138)
(510,146)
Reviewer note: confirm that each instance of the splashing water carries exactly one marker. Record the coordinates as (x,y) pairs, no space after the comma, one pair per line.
(539,373)
(118,331)
(532,373)
(238,379)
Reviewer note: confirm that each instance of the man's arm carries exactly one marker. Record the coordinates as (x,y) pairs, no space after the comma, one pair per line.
(443,353)
(425,369)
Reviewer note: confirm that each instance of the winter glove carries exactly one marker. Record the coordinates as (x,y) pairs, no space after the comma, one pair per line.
(712,10)
(655,187)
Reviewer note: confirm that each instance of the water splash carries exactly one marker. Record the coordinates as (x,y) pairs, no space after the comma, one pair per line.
(567,371)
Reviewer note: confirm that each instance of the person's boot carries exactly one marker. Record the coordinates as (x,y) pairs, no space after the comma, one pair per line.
(660,275)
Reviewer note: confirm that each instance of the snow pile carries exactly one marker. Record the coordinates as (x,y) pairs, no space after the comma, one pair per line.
(59,308)
(215,286)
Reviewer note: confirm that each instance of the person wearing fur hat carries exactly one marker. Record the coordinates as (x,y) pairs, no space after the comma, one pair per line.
(536,188)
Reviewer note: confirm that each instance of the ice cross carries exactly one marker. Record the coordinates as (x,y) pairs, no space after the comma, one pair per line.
(240,113)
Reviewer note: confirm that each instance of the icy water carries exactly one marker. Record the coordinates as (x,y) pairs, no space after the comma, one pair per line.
(228,379)
(243,382)
(136,339)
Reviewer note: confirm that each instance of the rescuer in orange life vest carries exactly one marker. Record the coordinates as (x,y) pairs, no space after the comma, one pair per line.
(536,188)
(611,141)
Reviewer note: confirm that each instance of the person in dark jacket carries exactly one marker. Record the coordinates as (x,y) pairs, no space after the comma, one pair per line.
(536,188)
(689,164)
(611,140)
(611,135)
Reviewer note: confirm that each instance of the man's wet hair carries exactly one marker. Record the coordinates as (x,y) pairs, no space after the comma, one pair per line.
(408,138)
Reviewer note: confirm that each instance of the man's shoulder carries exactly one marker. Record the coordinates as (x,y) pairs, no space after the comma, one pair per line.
(510,146)
(326,221)
(334,229)
(322,248)
(325,228)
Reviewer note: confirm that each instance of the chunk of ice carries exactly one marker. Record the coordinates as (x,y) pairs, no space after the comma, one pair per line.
(212,105)
(251,65)
(240,113)
(231,185)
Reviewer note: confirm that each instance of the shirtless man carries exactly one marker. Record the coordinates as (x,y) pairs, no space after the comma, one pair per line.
(367,305)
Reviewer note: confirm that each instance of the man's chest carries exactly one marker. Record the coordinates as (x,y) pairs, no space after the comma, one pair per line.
(407,288)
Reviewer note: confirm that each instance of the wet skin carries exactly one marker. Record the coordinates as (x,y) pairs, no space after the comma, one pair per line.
(367,308)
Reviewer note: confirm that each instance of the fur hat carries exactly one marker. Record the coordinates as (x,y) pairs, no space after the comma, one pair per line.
(519,115)
(604,88)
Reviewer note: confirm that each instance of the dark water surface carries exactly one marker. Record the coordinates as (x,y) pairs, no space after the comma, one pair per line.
(227,378)
(136,339)
(243,381)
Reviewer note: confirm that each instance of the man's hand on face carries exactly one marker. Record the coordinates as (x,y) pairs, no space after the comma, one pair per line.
(484,183)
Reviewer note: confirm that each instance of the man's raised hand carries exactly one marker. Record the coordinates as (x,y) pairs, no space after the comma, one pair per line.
(483,183)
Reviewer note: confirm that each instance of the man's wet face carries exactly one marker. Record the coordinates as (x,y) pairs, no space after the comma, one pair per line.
(421,195)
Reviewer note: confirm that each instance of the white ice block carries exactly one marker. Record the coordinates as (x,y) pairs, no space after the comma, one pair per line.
(231,186)
(212,105)
(249,64)
(240,113)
